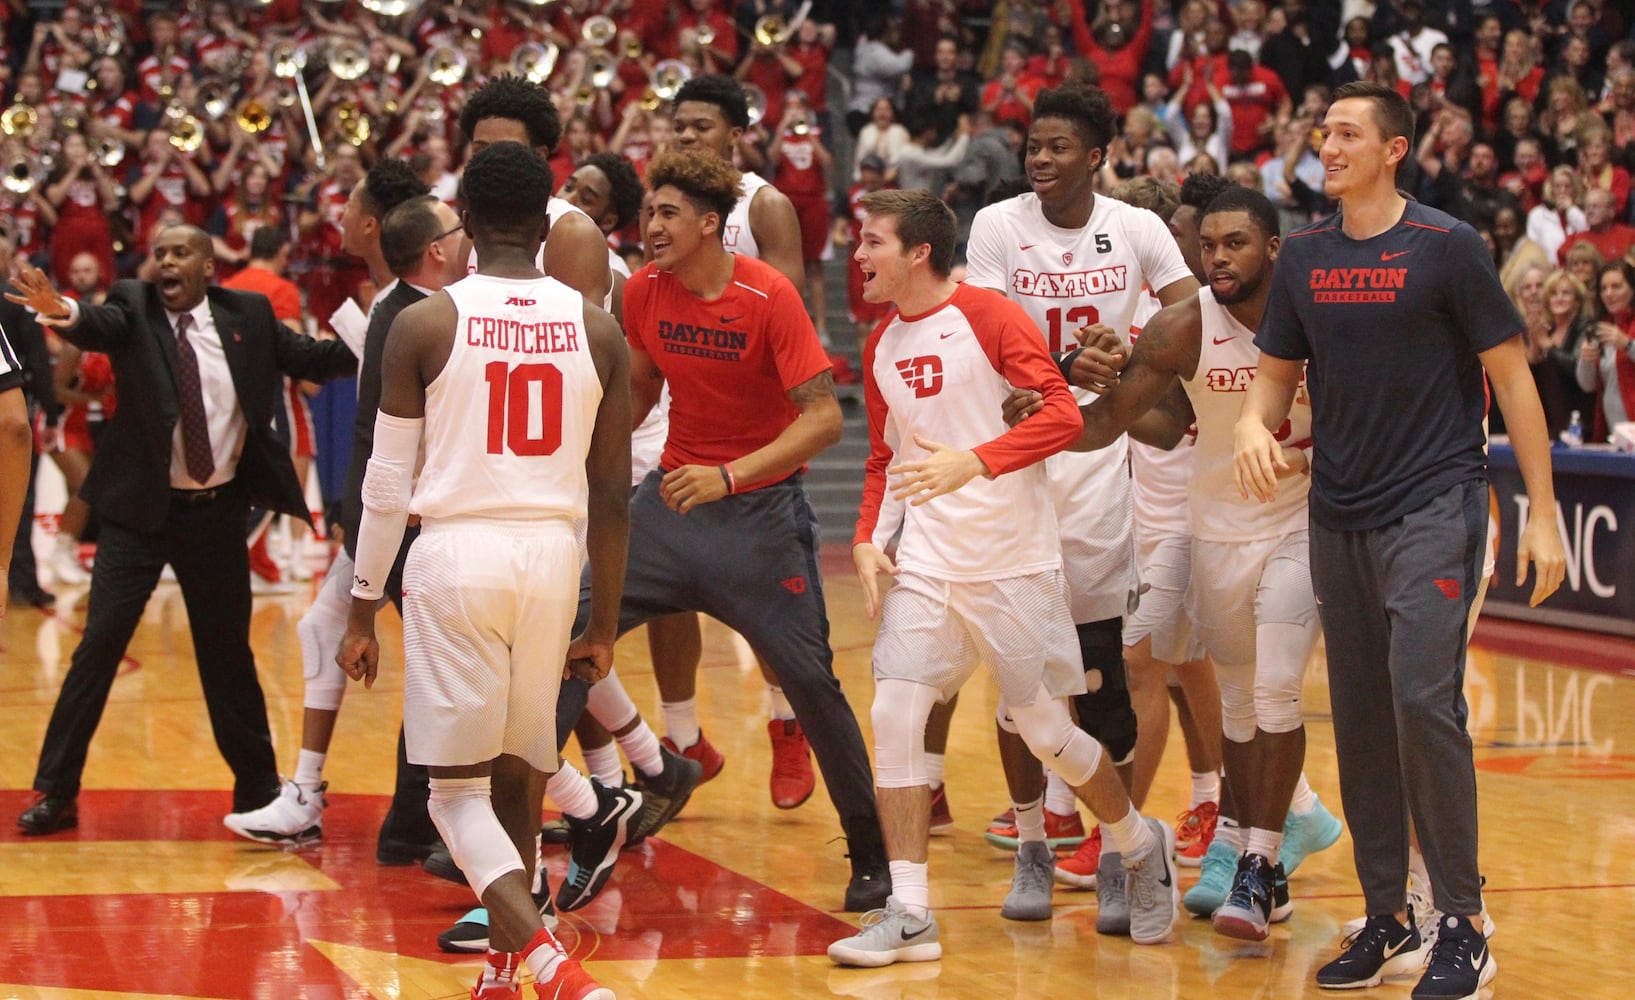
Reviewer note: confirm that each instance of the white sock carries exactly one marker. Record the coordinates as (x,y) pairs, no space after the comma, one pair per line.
(1264,843)
(1129,836)
(538,884)
(934,764)
(67,544)
(543,955)
(1230,834)
(1030,821)
(309,769)
(604,765)
(681,722)
(780,705)
(1059,797)
(1305,800)
(501,969)
(572,792)
(911,886)
(1206,787)
(641,745)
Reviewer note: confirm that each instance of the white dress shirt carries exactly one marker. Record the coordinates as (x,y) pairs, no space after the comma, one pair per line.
(221,407)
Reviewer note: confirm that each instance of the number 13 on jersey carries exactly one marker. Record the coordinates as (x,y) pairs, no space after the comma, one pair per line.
(1063,323)
(524,408)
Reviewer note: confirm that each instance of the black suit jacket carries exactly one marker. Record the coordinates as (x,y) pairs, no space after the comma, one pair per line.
(363,429)
(129,481)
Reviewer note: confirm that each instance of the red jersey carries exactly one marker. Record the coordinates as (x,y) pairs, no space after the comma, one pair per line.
(814,77)
(150,73)
(1252,103)
(118,111)
(730,361)
(799,172)
(29,230)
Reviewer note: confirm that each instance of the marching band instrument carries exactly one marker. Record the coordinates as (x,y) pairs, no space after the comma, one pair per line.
(667,78)
(535,62)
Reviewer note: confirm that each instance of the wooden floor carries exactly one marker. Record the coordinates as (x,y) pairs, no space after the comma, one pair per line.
(151,896)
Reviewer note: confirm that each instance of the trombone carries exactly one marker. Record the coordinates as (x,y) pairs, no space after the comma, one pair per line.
(19,120)
(535,62)
(772,30)
(446,65)
(187,135)
(598,30)
(288,61)
(19,177)
(667,78)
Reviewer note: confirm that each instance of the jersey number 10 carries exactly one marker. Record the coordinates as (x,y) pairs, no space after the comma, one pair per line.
(1060,334)
(512,424)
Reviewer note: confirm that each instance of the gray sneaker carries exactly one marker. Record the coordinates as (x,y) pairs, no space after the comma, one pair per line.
(1029,898)
(1112,909)
(889,935)
(1154,897)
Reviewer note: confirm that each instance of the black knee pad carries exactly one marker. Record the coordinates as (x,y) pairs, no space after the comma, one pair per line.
(1105,712)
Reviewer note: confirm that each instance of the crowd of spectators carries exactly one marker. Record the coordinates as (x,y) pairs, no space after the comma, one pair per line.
(124,114)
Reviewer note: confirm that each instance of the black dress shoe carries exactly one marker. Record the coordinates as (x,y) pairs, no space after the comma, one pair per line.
(441,863)
(49,815)
(34,597)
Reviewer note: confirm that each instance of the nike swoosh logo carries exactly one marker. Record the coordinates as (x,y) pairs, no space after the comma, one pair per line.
(908,935)
(1058,753)
(730,319)
(1478,958)
(1026,246)
(1391,950)
(947,335)
(1393,256)
(1218,341)
(1168,879)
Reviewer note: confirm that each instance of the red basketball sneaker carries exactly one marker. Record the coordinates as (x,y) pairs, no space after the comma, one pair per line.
(704,752)
(792,779)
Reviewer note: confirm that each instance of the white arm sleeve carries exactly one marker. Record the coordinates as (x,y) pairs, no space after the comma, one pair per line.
(386,490)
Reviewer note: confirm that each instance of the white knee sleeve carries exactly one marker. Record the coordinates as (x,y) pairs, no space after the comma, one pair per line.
(464,815)
(609,704)
(1002,715)
(1049,731)
(320,631)
(899,713)
(1281,653)
(1237,684)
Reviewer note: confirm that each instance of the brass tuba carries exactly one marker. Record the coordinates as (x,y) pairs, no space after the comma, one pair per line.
(19,177)
(772,30)
(601,68)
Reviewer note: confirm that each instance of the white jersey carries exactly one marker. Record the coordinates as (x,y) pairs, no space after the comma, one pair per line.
(510,416)
(735,232)
(1227,362)
(1065,279)
(938,377)
(1159,478)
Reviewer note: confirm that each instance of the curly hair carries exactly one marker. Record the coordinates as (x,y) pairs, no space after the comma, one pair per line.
(388,184)
(1198,190)
(506,186)
(709,182)
(515,99)
(1084,104)
(624,187)
(724,92)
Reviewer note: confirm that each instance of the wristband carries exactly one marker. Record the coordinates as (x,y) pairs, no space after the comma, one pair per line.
(726,477)
(1065,363)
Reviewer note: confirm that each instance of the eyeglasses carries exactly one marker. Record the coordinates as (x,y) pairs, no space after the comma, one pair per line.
(448,232)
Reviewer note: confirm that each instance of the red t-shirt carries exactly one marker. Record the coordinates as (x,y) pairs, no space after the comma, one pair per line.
(281,292)
(730,361)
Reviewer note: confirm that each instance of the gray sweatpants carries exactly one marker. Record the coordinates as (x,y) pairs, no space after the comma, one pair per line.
(1394,602)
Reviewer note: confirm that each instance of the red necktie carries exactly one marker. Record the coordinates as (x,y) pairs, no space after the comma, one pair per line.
(201,462)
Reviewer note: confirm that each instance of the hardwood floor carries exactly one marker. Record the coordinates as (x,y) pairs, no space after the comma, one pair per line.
(151,896)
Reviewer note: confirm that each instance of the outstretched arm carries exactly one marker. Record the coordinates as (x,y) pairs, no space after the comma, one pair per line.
(1168,349)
